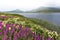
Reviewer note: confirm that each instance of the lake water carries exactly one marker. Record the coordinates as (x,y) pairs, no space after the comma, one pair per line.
(53,18)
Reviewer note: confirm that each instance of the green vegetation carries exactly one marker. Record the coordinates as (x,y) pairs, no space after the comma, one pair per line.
(36,27)
(40,22)
(47,25)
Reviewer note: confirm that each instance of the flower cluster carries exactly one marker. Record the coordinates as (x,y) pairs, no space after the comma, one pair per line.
(11,30)
(17,32)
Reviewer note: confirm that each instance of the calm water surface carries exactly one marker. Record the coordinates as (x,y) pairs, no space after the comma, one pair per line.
(51,17)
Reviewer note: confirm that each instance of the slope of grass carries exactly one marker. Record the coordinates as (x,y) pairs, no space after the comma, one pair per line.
(47,25)
(21,25)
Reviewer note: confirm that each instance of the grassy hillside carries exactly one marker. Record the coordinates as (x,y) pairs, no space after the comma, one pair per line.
(17,27)
(45,24)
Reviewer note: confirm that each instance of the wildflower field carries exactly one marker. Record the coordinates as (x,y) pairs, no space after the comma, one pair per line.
(17,27)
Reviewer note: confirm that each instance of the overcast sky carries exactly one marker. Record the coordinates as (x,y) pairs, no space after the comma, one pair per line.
(6,5)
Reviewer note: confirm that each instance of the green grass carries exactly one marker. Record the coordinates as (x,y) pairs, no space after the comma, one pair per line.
(38,26)
(47,25)
(40,22)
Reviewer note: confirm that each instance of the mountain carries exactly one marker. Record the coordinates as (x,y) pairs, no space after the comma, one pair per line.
(15,11)
(45,9)
(38,10)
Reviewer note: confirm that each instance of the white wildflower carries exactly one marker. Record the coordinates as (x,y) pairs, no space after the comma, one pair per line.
(9,28)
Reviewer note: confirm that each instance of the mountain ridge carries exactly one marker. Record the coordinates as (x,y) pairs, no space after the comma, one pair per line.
(37,10)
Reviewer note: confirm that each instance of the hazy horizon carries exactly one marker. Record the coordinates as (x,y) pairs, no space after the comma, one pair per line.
(25,5)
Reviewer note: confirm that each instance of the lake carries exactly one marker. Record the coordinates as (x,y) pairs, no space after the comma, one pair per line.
(53,18)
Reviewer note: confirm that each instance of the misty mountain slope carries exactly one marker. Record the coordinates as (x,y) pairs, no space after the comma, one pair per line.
(45,9)
(16,11)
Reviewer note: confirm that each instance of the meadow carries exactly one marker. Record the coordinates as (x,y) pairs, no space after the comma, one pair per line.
(18,27)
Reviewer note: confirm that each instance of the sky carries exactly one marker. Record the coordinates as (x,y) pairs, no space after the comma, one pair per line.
(8,5)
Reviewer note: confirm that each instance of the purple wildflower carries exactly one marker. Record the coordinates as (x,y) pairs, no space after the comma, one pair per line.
(12,30)
(2,16)
(10,38)
(15,36)
(42,38)
(38,38)
(4,37)
(1,28)
(0,33)
(48,38)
